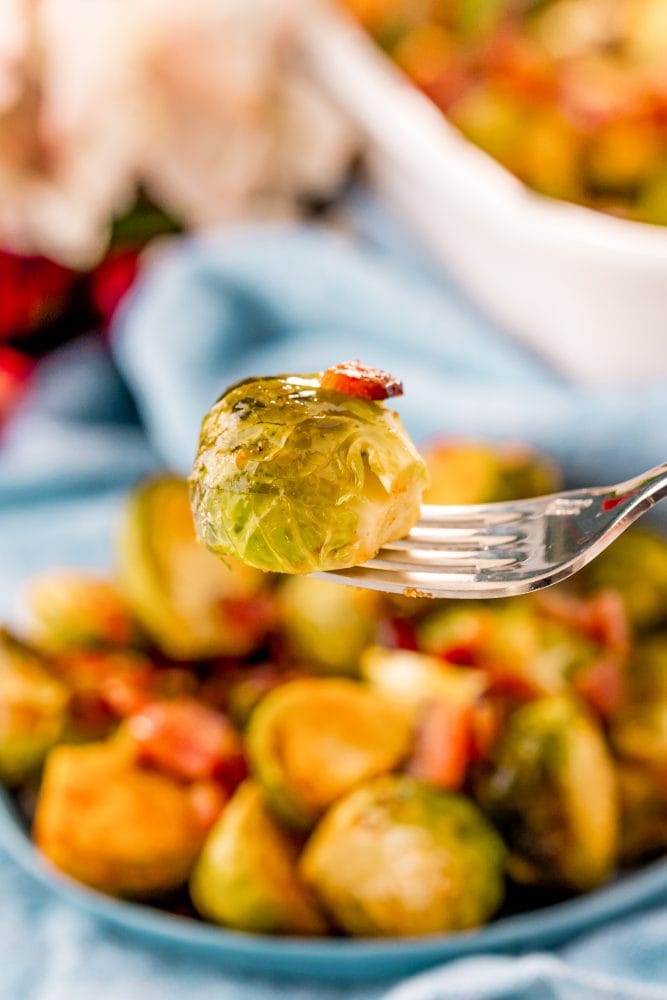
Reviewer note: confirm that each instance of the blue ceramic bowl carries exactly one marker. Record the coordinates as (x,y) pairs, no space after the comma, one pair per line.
(337,959)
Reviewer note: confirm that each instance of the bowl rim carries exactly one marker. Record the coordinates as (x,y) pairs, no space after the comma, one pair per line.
(341,958)
(337,50)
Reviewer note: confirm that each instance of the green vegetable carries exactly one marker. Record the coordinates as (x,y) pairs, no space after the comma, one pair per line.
(327,626)
(71,610)
(397,857)
(311,740)
(123,829)
(33,707)
(246,876)
(636,566)
(294,478)
(186,600)
(552,790)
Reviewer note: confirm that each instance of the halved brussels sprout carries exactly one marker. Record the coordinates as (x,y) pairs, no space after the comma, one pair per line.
(191,604)
(33,709)
(327,626)
(71,610)
(397,857)
(636,566)
(552,791)
(467,472)
(413,679)
(313,739)
(106,822)
(246,876)
(294,477)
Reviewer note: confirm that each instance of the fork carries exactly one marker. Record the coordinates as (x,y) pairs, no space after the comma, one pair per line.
(503,549)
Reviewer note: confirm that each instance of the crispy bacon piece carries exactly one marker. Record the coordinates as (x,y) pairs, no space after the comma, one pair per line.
(188,741)
(443,744)
(355,379)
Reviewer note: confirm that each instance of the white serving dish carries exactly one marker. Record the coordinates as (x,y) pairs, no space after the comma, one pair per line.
(586,290)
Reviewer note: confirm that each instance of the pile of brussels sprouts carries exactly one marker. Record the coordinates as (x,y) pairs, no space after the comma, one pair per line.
(283,755)
(567,94)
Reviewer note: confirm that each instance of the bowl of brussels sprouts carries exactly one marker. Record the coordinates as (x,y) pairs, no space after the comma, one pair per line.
(526,144)
(336,784)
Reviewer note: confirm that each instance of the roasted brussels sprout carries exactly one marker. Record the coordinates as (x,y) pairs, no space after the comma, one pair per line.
(327,626)
(552,791)
(295,476)
(71,610)
(108,823)
(191,604)
(523,652)
(643,795)
(646,674)
(397,857)
(463,473)
(313,739)
(33,708)
(246,876)
(413,679)
(635,565)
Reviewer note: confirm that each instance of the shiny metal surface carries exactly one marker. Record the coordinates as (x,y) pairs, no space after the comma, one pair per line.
(503,549)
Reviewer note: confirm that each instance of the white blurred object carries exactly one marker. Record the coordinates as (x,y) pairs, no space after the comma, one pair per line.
(584,289)
(200,102)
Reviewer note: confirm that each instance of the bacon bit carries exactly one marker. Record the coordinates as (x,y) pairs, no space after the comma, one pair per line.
(397,633)
(188,741)
(443,745)
(486,725)
(601,617)
(355,379)
(601,686)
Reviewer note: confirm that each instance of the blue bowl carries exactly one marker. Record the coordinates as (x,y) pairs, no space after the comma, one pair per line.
(339,959)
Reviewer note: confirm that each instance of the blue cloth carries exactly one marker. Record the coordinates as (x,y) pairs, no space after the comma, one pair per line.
(260,300)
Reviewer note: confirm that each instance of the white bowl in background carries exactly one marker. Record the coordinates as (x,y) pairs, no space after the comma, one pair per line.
(584,289)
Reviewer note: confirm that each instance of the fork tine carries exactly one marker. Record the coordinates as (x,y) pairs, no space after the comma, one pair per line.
(460,516)
(436,535)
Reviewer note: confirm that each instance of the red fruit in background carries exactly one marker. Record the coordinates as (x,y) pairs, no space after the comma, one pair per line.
(34,293)
(15,369)
(111,280)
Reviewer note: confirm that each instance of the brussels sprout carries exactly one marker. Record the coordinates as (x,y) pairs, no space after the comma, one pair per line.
(643,795)
(414,679)
(108,823)
(313,739)
(327,626)
(33,709)
(636,566)
(640,733)
(191,604)
(646,674)
(73,610)
(246,876)
(397,857)
(294,477)
(522,651)
(552,790)
(462,472)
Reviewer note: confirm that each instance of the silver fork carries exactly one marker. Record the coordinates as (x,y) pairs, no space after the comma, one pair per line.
(503,549)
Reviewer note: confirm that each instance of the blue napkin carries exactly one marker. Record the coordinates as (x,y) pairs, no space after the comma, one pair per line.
(261,300)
